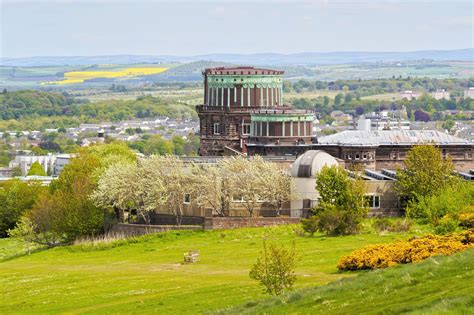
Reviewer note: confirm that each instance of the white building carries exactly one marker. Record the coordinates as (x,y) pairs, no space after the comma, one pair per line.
(469,92)
(303,173)
(440,94)
(382,124)
(409,94)
(382,121)
(48,162)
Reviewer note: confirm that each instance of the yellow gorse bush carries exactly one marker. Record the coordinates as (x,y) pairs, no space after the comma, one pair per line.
(466,220)
(403,252)
(81,76)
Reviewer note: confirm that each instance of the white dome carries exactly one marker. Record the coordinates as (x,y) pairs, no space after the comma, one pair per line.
(311,162)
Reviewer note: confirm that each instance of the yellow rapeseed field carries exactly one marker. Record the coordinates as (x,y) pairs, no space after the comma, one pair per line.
(81,76)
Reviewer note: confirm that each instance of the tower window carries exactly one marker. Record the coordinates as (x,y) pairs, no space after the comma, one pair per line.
(245,129)
(217,129)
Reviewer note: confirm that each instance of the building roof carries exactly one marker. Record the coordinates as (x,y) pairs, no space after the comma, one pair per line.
(391,137)
(310,163)
(242,71)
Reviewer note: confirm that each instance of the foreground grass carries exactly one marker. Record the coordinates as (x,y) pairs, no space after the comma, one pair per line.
(440,285)
(146,275)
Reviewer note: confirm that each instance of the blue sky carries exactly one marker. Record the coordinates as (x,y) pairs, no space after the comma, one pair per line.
(106,27)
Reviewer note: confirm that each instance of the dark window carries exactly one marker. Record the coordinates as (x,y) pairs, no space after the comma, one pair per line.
(373,201)
(187,198)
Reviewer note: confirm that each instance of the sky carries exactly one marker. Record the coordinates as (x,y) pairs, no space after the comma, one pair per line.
(185,28)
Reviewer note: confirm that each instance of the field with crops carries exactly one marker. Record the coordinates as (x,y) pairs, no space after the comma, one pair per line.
(74,77)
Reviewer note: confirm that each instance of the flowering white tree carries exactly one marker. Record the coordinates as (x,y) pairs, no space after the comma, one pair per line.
(243,179)
(127,186)
(208,189)
(176,180)
(277,185)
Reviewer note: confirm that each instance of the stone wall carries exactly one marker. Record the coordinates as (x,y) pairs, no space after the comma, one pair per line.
(218,223)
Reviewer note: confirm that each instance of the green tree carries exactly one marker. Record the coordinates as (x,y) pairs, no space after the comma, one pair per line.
(448,124)
(425,173)
(275,269)
(36,170)
(338,99)
(66,211)
(16,171)
(178,145)
(16,198)
(157,145)
(450,201)
(342,203)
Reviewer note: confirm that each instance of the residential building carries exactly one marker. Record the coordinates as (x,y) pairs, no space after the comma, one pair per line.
(469,92)
(48,162)
(440,94)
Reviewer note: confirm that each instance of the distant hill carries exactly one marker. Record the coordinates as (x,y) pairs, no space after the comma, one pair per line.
(306,58)
(192,72)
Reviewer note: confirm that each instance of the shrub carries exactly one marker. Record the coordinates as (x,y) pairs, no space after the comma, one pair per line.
(387,225)
(381,224)
(342,204)
(450,201)
(446,225)
(275,269)
(335,221)
(402,252)
(310,225)
(466,220)
(401,226)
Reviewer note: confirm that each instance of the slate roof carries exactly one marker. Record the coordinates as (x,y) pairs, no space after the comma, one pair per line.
(391,137)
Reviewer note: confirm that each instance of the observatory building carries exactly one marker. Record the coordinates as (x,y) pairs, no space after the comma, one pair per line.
(243,112)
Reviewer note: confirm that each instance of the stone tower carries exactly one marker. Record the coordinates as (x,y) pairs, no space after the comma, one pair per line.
(243,112)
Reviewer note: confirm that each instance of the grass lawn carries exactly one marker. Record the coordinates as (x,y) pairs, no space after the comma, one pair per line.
(440,285)
(147,274)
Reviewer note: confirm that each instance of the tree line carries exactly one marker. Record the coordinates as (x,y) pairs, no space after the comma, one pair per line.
(67,111)
(106,182)
(381,86)
(423,108)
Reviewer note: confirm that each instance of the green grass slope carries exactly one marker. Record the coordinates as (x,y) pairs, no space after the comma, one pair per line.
(146,275)
(440,285)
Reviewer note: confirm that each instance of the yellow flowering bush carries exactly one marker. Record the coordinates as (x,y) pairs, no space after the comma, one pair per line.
(403,252)
(466,220)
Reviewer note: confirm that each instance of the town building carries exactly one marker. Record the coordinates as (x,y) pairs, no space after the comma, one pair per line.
(469,92)
(382,121)
(243,112)
(440,94)
(409,95)
(387,149)
(52,163)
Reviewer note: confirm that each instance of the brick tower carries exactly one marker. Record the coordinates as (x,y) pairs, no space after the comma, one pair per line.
(243,111)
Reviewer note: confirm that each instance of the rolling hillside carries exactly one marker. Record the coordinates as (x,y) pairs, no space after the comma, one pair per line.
(441,285)
(146,275)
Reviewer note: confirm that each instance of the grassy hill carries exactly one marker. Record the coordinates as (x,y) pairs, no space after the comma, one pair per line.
(440,285)
(146,275)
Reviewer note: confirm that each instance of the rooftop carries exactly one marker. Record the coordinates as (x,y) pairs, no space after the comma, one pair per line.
(242,71)
(391,137)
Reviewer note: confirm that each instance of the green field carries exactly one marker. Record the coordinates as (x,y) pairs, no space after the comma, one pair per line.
(147,275)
